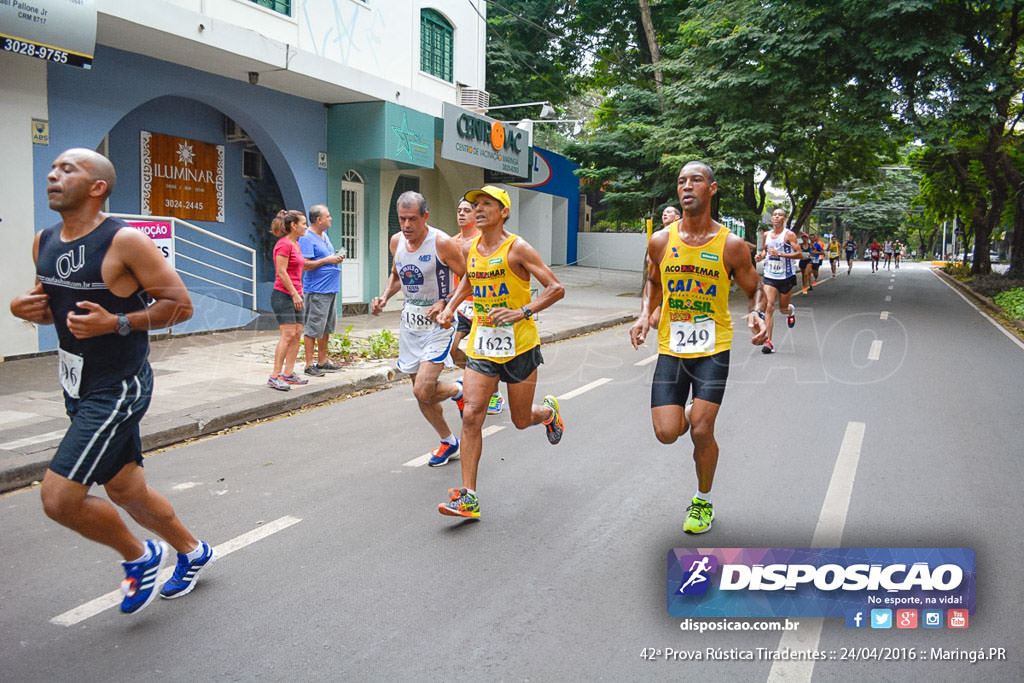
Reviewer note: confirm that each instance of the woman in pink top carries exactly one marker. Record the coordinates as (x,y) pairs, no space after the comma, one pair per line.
(286,299)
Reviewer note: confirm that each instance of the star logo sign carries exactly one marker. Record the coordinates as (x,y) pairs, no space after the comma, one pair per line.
(185,153)
(408,140)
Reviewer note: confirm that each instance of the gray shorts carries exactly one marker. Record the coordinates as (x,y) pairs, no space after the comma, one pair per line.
(320,315)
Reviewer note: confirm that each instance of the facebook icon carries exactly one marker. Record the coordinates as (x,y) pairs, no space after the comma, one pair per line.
(855,619)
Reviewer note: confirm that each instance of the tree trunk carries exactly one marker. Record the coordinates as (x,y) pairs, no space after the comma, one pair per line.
(652,42)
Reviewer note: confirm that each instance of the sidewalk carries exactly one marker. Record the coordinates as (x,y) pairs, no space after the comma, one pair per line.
(205,383)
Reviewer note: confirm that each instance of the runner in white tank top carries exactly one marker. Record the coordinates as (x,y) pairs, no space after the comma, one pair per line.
(424,260)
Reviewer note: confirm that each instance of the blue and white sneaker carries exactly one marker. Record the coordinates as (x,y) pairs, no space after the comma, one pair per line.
(443,453)
(186,573)
(139,585)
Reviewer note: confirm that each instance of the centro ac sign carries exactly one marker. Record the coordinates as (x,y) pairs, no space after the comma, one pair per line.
(481,141)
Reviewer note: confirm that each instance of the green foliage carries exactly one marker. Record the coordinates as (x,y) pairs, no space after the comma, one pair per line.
(383,344)
(619,226)
(957,269)
(341,344)
(1012,302)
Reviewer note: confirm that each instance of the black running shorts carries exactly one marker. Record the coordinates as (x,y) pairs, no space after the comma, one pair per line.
(462,324)
(673,378)
(104,432)
(512,372)
(782,285)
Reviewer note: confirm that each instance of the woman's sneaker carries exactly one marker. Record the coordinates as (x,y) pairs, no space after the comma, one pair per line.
(186,573)
(278,383)
(139,585)
(294,379)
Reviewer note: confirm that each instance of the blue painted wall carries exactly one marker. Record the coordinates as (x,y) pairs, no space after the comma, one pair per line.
(564,183)
(125,92)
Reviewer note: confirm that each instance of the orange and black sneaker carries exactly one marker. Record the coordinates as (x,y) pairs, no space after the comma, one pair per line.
(554,426)
(461,503)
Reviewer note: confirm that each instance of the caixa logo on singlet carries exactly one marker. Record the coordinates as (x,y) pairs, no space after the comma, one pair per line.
(67,263)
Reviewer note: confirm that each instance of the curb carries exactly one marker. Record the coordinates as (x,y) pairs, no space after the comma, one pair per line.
(991,307)
(172,429)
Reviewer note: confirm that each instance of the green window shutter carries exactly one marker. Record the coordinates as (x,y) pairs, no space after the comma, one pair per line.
(436,45)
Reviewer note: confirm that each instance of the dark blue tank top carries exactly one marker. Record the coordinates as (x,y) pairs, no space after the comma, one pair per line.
(71,272)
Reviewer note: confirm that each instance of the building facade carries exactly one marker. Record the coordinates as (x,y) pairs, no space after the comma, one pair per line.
(216,113)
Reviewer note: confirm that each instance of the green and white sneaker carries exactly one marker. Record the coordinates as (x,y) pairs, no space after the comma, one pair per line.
(699,516)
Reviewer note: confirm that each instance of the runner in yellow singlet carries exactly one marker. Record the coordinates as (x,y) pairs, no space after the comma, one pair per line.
(466,219)
(503,343)
(690,266)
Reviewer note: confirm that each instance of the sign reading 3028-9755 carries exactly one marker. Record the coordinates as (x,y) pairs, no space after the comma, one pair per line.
(55,31)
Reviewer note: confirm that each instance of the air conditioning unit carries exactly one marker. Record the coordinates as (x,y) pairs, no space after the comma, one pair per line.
(472,98)
(233,132)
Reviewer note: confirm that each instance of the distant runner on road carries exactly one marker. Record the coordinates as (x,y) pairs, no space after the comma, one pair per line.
(851,254)
(690,267)
(779,254)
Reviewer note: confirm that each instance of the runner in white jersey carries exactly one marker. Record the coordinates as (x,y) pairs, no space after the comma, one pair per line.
(424,260)
(780,253)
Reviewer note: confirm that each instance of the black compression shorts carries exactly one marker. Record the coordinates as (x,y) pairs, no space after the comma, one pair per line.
(673,378)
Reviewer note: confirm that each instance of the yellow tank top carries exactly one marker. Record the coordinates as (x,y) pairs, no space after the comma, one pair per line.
(495,285)
(695,318)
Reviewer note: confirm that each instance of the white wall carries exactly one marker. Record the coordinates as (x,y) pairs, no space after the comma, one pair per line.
(23,88)
(379,38)
(614,250)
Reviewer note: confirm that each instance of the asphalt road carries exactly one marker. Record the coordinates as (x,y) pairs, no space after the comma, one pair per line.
(336,566)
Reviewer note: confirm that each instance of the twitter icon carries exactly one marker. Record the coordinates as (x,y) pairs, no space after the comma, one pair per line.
(881,618)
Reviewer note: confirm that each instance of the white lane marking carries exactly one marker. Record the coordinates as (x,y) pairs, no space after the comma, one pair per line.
(888,298)
(9,416)
(884,316)
(113,598)
(875,352)
(32,440)
(992,320)
(890,286)
(584,389)
(828,533)
(185,485)
(647,361)
(421,460)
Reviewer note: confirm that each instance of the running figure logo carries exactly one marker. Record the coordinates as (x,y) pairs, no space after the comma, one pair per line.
(696,581)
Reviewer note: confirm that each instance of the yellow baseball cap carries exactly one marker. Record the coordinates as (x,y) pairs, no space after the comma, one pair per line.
(490,191)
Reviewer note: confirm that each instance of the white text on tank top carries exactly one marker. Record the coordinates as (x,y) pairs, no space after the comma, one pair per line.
(777,267)
(424,280)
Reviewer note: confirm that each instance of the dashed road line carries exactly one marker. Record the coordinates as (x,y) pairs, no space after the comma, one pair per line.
(584,389)
(875,352)
(828,533)
(646,361)
(884,315)
(421,460)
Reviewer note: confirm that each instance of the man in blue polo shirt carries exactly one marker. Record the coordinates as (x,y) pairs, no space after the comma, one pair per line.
(321,281)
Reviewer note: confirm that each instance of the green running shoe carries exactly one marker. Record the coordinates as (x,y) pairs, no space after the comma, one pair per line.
(699,516)
(555,427)
(496,404)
